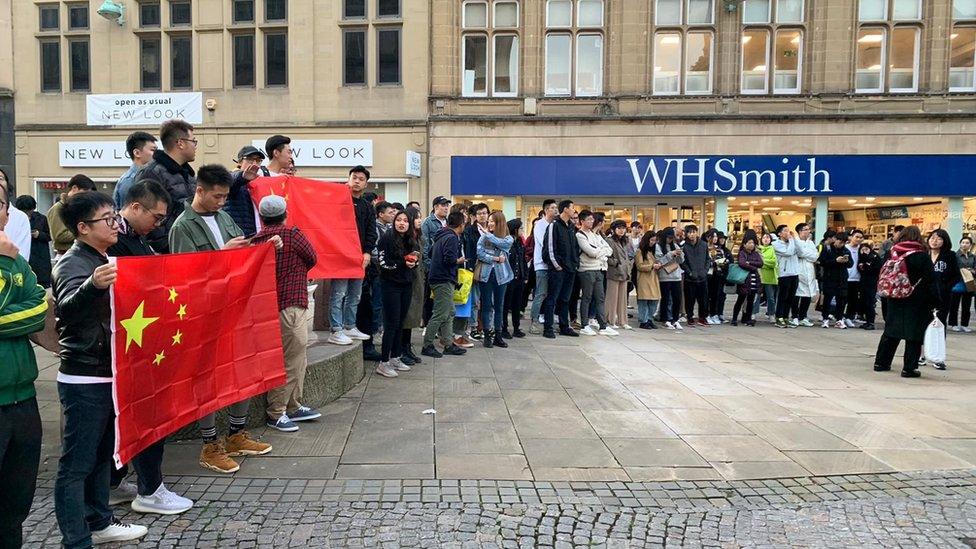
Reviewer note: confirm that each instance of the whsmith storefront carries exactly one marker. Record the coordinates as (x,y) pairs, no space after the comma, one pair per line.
(866,182)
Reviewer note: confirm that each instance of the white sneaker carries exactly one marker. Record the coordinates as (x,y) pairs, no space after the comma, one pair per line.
(162,502)
(541,319)
(608,331)
(668,325)
(682,319)
(626,327)
(384,369)
(354,333)
(125,493)
(593,323)
(795,321)
(118,531)
(588,331)
(678,326)
(842,325)
(398,365)
(848,322)
(967,329)
(825,324)
(721,319)
(614,326)
(955,328)
(806,322)
(339,338)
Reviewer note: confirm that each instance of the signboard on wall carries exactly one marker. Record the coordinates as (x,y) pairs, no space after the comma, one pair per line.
(92,154)
(329,152)
(412,167)
(742,175)
(144,109)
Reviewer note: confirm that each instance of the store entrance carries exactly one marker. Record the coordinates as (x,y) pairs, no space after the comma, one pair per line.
(652,212)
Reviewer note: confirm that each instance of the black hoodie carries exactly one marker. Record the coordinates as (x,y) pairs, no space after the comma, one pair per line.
(444,255)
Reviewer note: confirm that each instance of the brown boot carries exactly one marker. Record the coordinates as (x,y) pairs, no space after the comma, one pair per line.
(213,456)
(242,444)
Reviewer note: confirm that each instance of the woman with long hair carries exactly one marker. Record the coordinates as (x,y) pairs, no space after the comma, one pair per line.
(961,296)
(648,286)
(750,260)
(768,275)
(717,271)
(493,273)
(618,273)
(398,257)
(514,304)
(669,256)
(945,265)
(416,309)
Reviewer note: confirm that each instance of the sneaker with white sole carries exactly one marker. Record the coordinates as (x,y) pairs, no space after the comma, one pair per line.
(339,338)
(124,493)
(398,365)
(795,322)
(608,331)
(384,369)
(354,333)
(806,322)
(588,331)
(678,326)
(283,424)
(304,413)
(825,323)
(669,325)
(955,328)
(682,319)
(625,327)
(162,502)
(967,329)
(118,531)
(849,323)
(842,325)
(593,323)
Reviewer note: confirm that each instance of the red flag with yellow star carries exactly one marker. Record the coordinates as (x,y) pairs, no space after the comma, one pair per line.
(191,334)
(324,212)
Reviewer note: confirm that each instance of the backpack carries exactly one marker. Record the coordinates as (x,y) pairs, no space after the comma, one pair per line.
(893,282)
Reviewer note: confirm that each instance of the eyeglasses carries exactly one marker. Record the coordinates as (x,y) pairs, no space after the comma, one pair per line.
(194,141)
(159,217)
(111,221)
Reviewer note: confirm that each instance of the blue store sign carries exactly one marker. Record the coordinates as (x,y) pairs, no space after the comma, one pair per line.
(838,175)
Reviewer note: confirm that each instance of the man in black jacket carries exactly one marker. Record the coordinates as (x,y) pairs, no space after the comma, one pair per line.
(561,252)
(345,293)
(239,205)
(171,168)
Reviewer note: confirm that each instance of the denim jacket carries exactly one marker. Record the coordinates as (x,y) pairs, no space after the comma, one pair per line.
(490,247)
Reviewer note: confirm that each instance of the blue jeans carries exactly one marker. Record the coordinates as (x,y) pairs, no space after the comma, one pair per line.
(492,302)
(771,291)
(82,485)
(343,301)
(539,294)
(646,309)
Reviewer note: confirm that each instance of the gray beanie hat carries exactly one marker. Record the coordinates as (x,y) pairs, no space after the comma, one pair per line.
(272,206)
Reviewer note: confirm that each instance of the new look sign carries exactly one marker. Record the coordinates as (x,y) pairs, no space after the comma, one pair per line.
(329,152)
(842,175)
(92,154)
(144,109)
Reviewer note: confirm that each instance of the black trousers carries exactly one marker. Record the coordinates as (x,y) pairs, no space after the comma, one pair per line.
(749,299)
(886,353)
(869,298)
(696,290)
(574,301)
(853,299)
(884,309)
(557,298)
(514,306)
(20,453)
(148,465)
(716,295)
(837,309)
(785,295)
(670,294)
(801,307)
(966,301)
(396,302)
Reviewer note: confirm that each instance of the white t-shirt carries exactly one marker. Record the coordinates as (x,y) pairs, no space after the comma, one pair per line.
(18,229)
(853,275)
(539,237)
(211,221)
(82,380)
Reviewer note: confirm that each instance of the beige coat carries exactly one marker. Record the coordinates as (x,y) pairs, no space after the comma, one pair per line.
(647,283)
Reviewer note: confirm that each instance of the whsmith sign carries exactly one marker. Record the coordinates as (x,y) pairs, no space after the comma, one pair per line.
(840,175)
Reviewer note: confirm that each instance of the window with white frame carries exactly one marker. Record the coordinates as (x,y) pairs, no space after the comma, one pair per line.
(772,46)
(887,47)
(490,48)
(574,48)
(962,47)
(683,47)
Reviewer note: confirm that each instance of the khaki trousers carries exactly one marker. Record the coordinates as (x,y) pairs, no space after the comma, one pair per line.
(294,340)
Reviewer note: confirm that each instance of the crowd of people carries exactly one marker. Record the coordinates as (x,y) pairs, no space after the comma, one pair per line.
(458,275)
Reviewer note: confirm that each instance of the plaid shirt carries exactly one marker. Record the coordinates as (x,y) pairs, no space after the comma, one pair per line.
(293,262)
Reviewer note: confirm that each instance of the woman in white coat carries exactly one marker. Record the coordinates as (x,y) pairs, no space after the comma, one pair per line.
(807,289)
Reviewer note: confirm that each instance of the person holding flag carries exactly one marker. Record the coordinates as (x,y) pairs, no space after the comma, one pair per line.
(205,226)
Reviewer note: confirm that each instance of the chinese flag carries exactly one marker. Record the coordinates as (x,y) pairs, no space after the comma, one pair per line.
(324,212)
(191,334)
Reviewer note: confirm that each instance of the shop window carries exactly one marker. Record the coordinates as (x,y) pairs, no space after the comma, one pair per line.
(181,67)
(771,53)
(150,55)
(149,15)
(77,17)
(388,55)
(962,59)
(887,49)
(354,57)
(275,10)
(494,25)
(244,60)
(574,52)
(180,13)
(683,54)
(243,11)
(50,17)
(354,9)
(275,59)
(51,65)
(388,8)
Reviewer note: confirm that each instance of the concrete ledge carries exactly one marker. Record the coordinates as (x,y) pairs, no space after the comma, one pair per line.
(332,370)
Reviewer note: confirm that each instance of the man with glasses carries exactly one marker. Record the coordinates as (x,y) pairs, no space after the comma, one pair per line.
(81,290)
(171,167)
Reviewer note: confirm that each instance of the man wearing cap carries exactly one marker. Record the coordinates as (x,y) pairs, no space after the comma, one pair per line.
(239,205)
(294,259)
(280,156)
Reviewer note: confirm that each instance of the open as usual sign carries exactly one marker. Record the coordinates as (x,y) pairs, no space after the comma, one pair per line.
(144,109)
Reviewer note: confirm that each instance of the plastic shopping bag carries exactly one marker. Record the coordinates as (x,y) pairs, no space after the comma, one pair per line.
(465,280)
(935,343)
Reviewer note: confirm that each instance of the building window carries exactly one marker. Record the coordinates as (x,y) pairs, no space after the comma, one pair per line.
(180,13)
(354,57)
(276,10)
(388,8)
(962,47)
(388,55)
(181,55)
(77,17)
(50,15)
(963,10)
(243,11)
(490,48)
(683,53)
(276,59)
(51,65)
(244,60)
(149,15)
(354,9)
(80,65)
(771,52)
(574,47)
(887,49)
(150,55)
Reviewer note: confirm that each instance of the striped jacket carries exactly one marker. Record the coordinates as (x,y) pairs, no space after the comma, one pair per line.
(23,305)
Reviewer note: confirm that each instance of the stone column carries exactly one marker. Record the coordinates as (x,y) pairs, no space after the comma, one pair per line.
(820,223)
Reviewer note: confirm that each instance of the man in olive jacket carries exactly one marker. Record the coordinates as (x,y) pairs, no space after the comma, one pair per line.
(23,307)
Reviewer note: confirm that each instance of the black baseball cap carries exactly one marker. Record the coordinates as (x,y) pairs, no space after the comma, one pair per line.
(249,150)
(440,200)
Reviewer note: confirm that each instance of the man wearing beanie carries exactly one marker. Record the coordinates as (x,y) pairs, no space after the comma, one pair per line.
(294,259)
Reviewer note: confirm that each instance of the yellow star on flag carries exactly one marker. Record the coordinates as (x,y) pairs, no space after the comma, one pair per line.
(160,356)
(173,295)
(135,325)
(177,337)
(182,312)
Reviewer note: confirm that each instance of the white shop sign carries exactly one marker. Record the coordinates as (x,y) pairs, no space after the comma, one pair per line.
(144,109)
(329,152)
(92,154)
(412,167)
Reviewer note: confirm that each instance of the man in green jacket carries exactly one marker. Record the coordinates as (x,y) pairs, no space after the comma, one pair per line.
(23,306)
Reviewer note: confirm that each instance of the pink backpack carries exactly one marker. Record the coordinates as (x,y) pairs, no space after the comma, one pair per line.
(893,282)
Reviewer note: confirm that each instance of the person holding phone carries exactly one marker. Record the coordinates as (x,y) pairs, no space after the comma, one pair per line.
(397,255)
(835,259)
